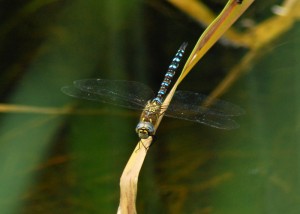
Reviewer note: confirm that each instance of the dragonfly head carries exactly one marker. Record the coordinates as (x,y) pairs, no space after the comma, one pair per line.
(144,130)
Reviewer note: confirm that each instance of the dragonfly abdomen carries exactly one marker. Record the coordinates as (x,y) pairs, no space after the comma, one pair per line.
(170,74)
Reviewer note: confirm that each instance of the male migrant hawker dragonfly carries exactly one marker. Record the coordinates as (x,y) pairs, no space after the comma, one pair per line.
(134,95)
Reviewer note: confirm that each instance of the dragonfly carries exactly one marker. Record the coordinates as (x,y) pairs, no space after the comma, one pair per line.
(185,105)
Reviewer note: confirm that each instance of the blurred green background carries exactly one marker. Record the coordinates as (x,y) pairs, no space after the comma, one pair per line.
(54,163)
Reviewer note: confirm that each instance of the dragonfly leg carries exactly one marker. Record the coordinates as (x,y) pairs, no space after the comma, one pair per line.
(154,138)
(141,142)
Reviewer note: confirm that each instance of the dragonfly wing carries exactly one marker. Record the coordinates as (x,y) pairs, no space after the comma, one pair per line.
(188,102)
(127,94)
(187,105)
(211,120)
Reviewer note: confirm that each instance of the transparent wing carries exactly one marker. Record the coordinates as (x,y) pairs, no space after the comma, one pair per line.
(127,94)
(187,105)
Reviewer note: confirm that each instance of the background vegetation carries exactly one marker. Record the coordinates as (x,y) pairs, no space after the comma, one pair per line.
(52,162)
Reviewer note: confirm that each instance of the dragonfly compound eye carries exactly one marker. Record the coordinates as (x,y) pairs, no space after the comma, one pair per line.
(144,130)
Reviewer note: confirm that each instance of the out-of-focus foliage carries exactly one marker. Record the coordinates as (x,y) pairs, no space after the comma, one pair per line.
(56,163)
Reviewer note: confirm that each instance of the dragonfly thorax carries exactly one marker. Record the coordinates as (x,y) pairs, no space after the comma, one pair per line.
(149,116)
